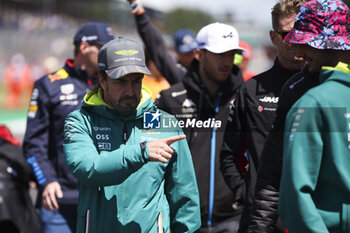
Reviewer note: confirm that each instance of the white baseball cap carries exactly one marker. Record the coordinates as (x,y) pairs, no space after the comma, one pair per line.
(218,38)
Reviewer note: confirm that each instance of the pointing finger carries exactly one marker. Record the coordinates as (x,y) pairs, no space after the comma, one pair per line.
(173,139)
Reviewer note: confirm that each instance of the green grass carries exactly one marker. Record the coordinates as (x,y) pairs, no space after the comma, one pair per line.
(9,115)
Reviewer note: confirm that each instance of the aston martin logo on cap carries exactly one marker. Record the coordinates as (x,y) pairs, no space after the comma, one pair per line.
(127,52)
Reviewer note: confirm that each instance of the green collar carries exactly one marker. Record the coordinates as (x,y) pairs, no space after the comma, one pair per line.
(95,98)
(340,66)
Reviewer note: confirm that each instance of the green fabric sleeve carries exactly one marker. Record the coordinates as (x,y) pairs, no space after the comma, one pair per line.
(93,168)
(302,156)
(182,191)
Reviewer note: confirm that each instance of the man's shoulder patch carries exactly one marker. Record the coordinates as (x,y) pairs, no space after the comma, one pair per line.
(61,74)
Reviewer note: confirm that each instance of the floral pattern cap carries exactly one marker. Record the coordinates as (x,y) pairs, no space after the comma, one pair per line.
(322,24)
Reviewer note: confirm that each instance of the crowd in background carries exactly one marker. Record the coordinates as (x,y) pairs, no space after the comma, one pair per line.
(44,41)
(241,186)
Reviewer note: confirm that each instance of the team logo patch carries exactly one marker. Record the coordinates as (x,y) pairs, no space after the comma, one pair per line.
(104,145)
(35,94)
(230,35)
(67,88)
(33,108)
(188,106)
(129,52)
(61,74)
(152,120)
(109,31)
(269,99)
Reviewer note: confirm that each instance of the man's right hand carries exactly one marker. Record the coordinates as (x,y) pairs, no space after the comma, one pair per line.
(137,7)
(160,150)
(51,191)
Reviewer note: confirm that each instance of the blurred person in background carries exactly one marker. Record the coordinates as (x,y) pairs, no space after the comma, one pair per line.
(243,59)
(44,65)
(254,109)
(17,212)
(155,82)
(37,70)
(2,65)
(54,96)
(184,43)
(50,64)
(185,46)
(205,93)
(17,80)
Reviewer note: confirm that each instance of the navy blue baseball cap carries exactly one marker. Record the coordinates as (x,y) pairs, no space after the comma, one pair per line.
(94,33)
(185,41)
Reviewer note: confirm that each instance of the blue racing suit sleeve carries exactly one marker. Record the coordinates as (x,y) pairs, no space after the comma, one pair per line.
(36,139)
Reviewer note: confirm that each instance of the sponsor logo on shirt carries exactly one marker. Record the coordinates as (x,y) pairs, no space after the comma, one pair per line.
(291,86)
(262,108)
(347,115)
(269,99)
(61,74)
(67,88)
(69,130)
(102,128)
(188,106)
(103,137)
(35,94)
(104,145)
(296,124)
(174,94)
(147,139)
(33,106)
(69,99)
(31,114)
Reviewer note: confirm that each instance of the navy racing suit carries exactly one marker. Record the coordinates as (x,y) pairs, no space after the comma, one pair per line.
(54,96)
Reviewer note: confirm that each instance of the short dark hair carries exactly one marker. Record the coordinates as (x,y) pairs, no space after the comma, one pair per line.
(98,85)
(76,50)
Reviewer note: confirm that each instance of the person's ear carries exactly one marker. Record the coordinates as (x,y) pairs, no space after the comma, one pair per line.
(196,54)
(274,37)
(102,80)
(83,47)
(199,54)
